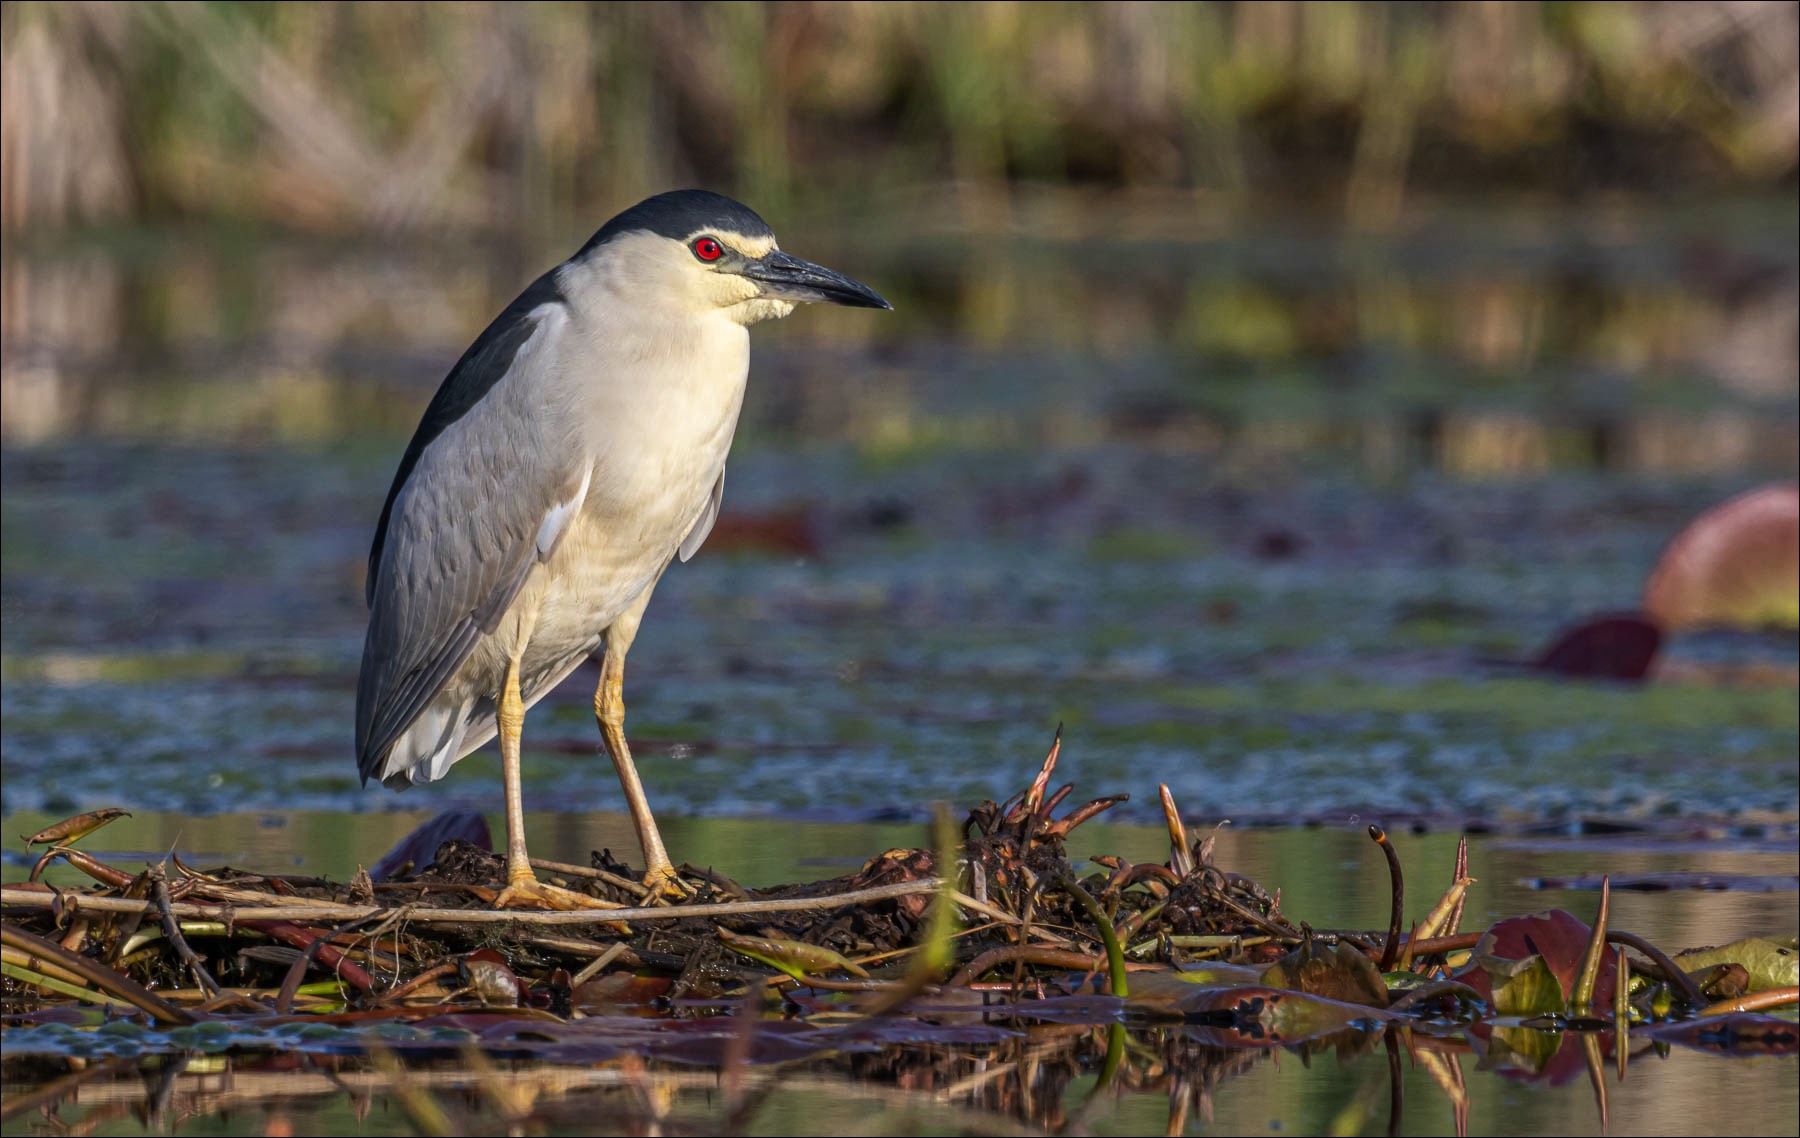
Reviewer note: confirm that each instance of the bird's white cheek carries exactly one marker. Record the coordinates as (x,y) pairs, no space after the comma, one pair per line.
(761,308)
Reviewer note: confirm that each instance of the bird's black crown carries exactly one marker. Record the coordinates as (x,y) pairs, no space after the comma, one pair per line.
(680,213)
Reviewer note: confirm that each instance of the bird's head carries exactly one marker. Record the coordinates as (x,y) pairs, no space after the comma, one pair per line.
(698,252)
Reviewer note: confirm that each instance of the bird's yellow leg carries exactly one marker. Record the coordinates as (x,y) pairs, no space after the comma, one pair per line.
(609,709)
(523,889)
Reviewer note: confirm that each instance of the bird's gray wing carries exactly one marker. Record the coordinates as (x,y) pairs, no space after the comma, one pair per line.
(482,495)
(703,524)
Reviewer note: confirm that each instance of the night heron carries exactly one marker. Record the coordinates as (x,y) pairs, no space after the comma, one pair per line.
(576,448)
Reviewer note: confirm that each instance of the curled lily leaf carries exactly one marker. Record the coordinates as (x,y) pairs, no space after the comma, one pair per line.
(791,957)
(71,830)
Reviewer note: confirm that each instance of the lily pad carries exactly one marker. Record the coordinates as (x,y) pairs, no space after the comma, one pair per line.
(1735,566)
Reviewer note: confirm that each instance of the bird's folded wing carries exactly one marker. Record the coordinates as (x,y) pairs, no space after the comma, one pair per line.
(477,504)
(703,524)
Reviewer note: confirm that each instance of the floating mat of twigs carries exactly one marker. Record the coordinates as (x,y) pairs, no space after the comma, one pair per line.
(997,906)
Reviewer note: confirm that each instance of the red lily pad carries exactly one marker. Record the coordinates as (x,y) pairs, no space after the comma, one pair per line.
(1616,647)
(1504,972)
(1735,566)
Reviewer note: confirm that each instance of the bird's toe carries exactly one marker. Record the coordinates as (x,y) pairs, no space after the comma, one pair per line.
(665,885)
(530,893)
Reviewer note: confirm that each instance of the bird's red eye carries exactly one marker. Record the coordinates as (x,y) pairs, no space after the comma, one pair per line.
(707,249)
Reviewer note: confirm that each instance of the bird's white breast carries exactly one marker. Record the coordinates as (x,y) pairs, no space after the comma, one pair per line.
(657,405)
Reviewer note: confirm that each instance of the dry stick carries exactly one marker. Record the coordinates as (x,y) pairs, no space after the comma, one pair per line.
(1437,921)
(1437,945)
(97,974)
(317,950)
(310,940)
(1398,911)
(229,998)
(159,887)
(1284,935)
(586,949)
(447,968)
(1018,976)
(595,966)
(636,889)
(784,982)
(95,868)
(77,902)
(54,971)
(1755,1002)
(1462,872)
(964,901)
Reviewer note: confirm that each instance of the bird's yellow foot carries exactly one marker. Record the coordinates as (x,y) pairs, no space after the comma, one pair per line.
(527,892)
(666,885)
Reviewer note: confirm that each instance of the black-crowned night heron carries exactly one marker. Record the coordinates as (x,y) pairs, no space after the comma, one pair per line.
(576,448)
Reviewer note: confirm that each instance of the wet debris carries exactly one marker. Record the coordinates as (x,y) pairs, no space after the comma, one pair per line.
(996,917)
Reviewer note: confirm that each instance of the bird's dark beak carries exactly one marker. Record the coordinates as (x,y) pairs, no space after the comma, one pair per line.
(790,278)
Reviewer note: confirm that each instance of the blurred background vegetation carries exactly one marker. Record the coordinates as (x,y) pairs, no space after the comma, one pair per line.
(536,118)
(306,201)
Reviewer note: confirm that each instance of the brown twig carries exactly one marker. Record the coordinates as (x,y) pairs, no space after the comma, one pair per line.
(436,971)
(313,941)
(78,902)
(1461,873)
(635,888)
(1754,1002)
(1397,911)
(1671,971)
(159,888)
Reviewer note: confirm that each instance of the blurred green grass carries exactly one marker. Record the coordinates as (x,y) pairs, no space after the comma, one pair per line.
(519,118)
